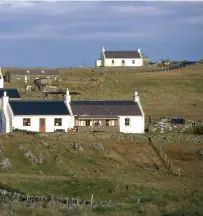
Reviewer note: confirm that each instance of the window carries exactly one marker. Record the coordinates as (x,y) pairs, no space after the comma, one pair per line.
(133,61)
(123,61)
(127,122)
(58,122)
(112,61)
(107,122)
(88,122)
(26,122)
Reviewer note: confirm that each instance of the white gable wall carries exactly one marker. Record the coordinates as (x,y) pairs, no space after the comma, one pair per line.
(6,116)
(100,62)
(137,124)
(67,122)
(1,79)
(118,62)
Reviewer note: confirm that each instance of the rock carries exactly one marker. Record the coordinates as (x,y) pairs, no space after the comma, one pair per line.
(75,145)
(98,146)
(41,172)
(1,152)
(45,143)
(5,163)
(33,158)
(80,148)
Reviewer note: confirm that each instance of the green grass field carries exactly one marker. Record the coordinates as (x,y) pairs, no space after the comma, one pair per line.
(122,164)
(122,172)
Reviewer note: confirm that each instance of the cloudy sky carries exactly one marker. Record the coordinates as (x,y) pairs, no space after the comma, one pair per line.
(65,34)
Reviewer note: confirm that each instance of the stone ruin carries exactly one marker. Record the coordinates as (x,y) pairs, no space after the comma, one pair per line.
(173,124)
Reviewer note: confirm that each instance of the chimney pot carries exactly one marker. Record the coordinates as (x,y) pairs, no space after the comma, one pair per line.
(136,97)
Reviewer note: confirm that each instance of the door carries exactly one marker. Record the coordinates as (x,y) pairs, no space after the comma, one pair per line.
(42,125)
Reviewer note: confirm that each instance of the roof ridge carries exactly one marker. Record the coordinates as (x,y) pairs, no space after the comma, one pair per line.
(104,100)
(8,88)
(37,101)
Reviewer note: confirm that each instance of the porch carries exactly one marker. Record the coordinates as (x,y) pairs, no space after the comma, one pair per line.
(97,124)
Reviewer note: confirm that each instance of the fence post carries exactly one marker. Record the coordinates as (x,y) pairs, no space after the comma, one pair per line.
(91,200)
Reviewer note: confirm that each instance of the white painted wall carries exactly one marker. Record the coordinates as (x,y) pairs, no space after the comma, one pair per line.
(6,115)
(99,63)
(136,124)
(1,79)
(107,62)
(118,62)
(67,122)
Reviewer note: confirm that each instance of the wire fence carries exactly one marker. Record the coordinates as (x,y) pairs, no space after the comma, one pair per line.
(164,158)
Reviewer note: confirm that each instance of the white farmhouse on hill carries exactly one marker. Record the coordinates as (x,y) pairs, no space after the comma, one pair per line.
(121,59)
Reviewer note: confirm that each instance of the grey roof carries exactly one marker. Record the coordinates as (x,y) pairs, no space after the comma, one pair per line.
(39,107)
(33,72)
(105,108)
(122,54)
(10,92)
(98,117)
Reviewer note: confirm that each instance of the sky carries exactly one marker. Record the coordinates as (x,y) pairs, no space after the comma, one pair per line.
(71,34)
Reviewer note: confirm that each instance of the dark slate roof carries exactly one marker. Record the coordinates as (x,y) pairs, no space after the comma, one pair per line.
(33,72)
(122,54)
(39,107)
(105,107)
(11,92)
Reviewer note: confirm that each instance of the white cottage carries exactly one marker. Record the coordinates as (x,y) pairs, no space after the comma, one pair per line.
(35,115)
(120,59)
(125,116)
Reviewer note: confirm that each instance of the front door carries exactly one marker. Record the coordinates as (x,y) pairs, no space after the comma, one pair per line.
(42,125)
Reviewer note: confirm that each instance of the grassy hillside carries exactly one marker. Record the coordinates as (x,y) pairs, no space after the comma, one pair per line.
(120,169)
(175,92)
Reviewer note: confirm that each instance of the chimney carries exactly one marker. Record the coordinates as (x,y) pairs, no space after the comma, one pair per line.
(67,97)
(103,50)
(139,50)
(5,100)
(136,97)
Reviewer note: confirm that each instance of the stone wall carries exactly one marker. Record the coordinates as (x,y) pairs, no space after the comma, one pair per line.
(109,129)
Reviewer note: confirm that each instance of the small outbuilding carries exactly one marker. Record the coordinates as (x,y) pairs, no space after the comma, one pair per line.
(30,74)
